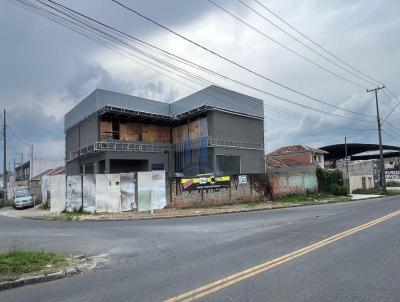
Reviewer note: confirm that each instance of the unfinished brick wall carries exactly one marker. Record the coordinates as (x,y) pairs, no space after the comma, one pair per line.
(277,182)
(297,180)
(253,190)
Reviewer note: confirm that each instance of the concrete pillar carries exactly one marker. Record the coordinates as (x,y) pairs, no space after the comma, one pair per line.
(107,166)
(96,167)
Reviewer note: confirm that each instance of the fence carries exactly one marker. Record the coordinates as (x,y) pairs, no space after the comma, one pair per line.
(296,180)
(107,192)
(145,191)
(203,191)
(200,191)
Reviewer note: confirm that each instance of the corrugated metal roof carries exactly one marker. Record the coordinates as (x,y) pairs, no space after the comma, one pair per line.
(213,96)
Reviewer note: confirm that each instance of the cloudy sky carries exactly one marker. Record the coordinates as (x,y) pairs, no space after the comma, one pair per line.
(47,68)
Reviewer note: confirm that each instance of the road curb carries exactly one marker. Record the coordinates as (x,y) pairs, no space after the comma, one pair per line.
(89,264)
(38,279)
(204,214)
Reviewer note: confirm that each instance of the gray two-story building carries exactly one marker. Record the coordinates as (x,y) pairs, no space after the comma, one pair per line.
(214,130)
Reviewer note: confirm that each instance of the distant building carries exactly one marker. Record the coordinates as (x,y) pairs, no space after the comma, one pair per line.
(39,184)
(293,156)
(214,130)
(23,171)
(364,174)
(392,163)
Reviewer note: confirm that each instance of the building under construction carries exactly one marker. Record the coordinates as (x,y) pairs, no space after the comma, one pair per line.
(214,130)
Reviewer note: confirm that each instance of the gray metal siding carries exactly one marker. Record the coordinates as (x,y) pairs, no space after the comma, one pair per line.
(237,128)
(212,96)
(220,98)
(124,101)
(98,99)
(72,167)
(72,139)
(82,110)
(89,131)
(251,161)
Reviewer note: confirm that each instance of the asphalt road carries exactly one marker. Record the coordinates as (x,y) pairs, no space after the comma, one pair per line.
(154,260)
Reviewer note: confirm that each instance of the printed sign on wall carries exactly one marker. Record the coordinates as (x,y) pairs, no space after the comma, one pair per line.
(242,179)
(392,175)
(205,183)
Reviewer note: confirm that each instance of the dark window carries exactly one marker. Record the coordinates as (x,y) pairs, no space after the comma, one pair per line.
(227,164)
(157,166)
(115,129)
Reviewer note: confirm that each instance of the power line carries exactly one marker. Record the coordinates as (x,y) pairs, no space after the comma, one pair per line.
(286,113)
(159,50)
(16,136)
(231,61)
(392,136)
(391,126)
(284,46)
(315,43)
(391,112)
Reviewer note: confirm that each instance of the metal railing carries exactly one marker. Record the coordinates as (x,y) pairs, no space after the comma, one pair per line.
(160,147)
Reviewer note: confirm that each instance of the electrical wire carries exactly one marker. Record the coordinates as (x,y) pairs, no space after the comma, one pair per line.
(394,108)
(315,43)
(230,60)
(282,45)
(188,62)
(17,137)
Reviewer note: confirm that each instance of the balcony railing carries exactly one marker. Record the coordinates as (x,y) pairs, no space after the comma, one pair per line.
(157,147)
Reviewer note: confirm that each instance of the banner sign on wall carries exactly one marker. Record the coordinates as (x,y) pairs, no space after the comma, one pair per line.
(205,183)
(392,175)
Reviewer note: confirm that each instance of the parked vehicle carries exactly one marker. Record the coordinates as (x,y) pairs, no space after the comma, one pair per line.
(23,199)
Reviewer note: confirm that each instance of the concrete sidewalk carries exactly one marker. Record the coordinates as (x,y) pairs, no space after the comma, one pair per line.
(364,196)
(38,213)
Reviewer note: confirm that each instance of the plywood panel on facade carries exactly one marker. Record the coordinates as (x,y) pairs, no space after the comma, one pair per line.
(122,131)
(194,129)
(105,130)
(134,132)
(155,134)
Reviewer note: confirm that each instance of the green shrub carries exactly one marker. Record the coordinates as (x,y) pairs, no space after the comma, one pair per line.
(339,190)
(330,181)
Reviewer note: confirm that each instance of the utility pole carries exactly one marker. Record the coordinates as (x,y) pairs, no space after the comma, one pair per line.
(5,158)
(378,119)
(31,165)
(347,166)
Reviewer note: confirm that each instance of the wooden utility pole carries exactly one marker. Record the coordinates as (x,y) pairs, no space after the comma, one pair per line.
(347,166)
(5,158)
(378,119)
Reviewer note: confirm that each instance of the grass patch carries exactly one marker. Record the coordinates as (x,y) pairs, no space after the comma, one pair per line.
(18,263)
(374,191)
(7,203)
(305,198)
(251,204)
(393,192)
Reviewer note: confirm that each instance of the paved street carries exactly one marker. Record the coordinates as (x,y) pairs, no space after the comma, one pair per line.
(153,260)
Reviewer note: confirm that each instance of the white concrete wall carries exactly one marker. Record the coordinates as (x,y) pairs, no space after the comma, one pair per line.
(356,182)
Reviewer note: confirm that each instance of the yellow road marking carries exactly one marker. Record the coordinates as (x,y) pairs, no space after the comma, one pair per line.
(252,271)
